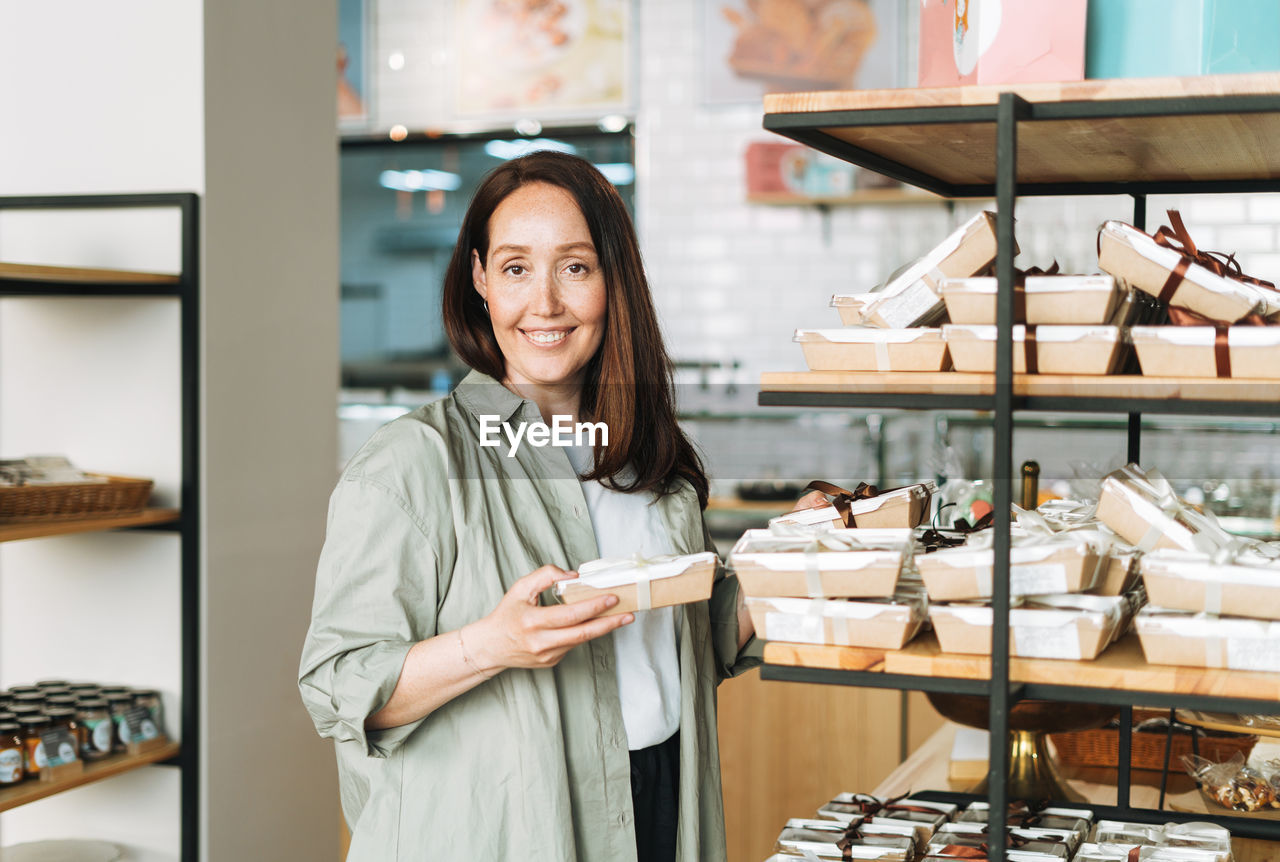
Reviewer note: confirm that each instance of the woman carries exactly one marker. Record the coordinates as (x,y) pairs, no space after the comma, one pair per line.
(472,721)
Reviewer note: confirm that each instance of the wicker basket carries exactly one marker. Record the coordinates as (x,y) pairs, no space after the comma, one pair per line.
(119,495)
(1102,747)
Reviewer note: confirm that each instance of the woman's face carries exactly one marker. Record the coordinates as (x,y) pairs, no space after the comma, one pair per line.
(544,286)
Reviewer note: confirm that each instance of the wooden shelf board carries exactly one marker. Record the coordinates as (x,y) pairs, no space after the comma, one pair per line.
(30,791)
(1122,666)
(1026,385)
(1223,146)
(43,529)
(81,275)
(865,197)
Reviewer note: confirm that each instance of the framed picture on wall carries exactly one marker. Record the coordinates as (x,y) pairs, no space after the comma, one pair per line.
(354,96)
(754,47)
(546,60)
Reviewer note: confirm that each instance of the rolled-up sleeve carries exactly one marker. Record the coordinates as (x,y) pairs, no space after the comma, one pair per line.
(730,661)
(377,586)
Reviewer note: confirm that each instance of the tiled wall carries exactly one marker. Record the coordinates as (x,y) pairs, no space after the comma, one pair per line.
(733,281)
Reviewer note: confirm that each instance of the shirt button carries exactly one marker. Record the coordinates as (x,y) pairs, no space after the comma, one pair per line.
(577,511)
(622,819)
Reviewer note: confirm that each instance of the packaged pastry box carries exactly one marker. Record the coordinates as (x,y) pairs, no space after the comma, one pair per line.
(850,306)
(642,584)
(865,348)
(911,296)
(1204,640)
(1191,581)
(1119,572)
(1056,627)
(1053,565)
(1077,820)
(1137,260)
(925,816)
(822,837)
(897,507)
(1252,352)
(1084,300)
(830,564)
(816,518)
(1056,843)
(1142,509)
(870,623)
(1091,350)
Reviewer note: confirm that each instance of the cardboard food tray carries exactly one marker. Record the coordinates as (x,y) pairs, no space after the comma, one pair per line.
(873,625)
(867,573)
(1196,640)
(1083,300)
(1033,633)
(693,584)
(1253,352)
(1129,510)
(899,507)
(1084,350)
(850,306)
(1119,574)
(1191,582)
(959,574)
(869,349)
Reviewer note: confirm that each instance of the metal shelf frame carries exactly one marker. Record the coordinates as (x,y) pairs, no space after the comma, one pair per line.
(1007,115)
(187,293)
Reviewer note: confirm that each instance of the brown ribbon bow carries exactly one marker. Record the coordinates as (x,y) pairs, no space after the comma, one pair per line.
(1176,237)
(843,498)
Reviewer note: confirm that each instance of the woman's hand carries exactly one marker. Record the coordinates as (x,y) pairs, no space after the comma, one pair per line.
(521,633)
(810,501)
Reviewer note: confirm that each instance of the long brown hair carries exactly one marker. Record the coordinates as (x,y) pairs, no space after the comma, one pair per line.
(628,381)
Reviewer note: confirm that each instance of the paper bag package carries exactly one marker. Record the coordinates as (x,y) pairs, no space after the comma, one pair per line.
(1190,581)
(832,563)
(642,584)
(886,624)
(911,295)
(1073,300)
(857,348)
(1055,565)
(1137,260)
(1239,352)
(1202,640)
(1091,350)
(1080,630)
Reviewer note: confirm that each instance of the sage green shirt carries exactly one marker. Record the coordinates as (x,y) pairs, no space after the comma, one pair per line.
(427,530)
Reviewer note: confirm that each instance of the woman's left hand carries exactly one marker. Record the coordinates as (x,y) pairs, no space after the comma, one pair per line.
(810,501)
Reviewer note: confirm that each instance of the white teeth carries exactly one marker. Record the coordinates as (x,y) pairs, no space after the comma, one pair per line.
(546,337)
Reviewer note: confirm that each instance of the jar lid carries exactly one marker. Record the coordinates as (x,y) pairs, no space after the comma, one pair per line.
(24,689)
(118,698)
(6,715)
(28,697)
(60,698)
(51,683)
(83,686)
(10,727)
(34,720)
(145,692)
(91,703)
(21,709)
(60,712)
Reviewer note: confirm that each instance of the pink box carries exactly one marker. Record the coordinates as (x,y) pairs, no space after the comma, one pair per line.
(1001,41)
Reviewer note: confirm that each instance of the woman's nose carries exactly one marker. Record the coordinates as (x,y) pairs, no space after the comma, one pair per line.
(546,299)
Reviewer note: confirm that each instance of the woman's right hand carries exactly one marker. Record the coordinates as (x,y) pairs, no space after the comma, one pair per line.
(522,633)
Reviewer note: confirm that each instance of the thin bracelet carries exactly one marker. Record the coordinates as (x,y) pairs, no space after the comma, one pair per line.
(466,658)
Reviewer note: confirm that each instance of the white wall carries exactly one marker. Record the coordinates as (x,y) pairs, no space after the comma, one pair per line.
(119,98)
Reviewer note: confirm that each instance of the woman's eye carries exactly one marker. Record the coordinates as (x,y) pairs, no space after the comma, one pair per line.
(577,268)
(515,269)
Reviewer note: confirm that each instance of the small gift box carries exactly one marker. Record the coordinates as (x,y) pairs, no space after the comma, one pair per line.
(1169,267)
(1092,350)
(865,348)
(1048,628)
(829,563)
(1079,300)
(828,838)
(1142,508)
(911,295)
(1203,640)
(1191,581)
(1075,820)
(640,583)
(1250,352)
(874,624)
(922,815)
(866,506)
(1038,565)
(1059,843)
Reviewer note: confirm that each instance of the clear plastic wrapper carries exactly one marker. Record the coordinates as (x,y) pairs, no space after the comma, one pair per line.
(1235,785)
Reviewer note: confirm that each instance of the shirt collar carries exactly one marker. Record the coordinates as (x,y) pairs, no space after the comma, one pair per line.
(484,396)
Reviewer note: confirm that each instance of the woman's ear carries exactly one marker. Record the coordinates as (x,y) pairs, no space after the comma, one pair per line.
(477,275)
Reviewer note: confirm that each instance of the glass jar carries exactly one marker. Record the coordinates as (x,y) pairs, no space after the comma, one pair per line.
(150,699)
(34,758)
(12,754)
(97,730)
(119,704)
(64,718)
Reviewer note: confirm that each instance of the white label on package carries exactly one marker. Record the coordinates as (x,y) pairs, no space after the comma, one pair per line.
(1253,654)
(1037,580)
(795,628)
(1046,642)
(908,307)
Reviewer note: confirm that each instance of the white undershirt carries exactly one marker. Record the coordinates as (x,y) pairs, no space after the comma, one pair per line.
(647,664)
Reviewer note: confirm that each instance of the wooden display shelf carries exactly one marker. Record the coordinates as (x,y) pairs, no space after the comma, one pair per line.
(1121,667)
(1070,139)
(30,791)
(865,197)
(81,275)
(1120,386)
(13,532)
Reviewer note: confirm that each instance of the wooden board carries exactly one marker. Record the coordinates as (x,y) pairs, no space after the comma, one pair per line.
(832,657)
(30,791)
(1028,385)
(82,275)
(1120,149)
(44,529)
(1224,722)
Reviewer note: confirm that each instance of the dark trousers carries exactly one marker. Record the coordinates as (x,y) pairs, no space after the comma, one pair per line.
(655,796)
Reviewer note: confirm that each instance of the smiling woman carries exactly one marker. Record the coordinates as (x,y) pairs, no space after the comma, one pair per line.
(471,721)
